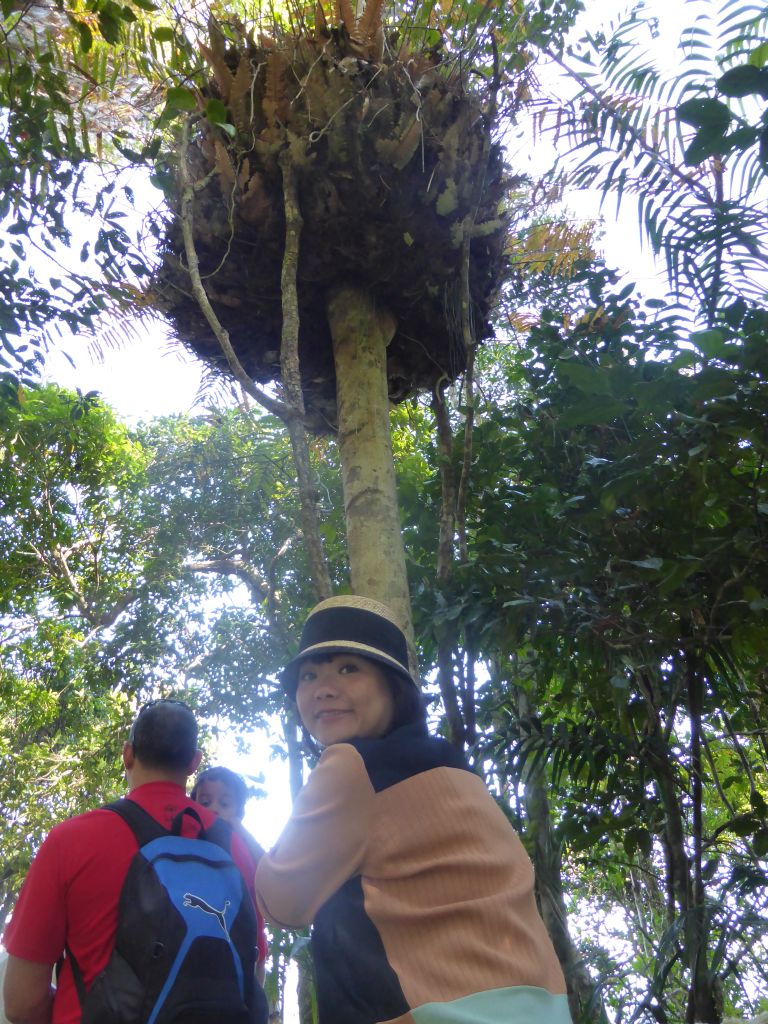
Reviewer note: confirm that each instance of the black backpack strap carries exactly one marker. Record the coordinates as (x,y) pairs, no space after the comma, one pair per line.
(141,822)
(178,821)
(218,832)
(145,828)
(77,974)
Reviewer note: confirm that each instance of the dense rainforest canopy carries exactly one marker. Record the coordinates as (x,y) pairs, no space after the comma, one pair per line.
(579,470)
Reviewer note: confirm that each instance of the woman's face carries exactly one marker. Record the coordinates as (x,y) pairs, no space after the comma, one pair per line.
(344,698)
(219,798)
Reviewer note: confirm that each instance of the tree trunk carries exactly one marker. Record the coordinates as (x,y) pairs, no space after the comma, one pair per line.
(304,990)
(703,1002)
(361,332)
(583,997)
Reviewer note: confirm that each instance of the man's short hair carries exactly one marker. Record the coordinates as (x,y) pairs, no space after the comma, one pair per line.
(164,735)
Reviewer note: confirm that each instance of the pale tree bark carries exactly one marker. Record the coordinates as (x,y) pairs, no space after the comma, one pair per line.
(291,378)
(361,331)
(447,640)
(305,983)
(305,990)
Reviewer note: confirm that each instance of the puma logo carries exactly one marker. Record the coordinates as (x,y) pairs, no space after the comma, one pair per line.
(190,900)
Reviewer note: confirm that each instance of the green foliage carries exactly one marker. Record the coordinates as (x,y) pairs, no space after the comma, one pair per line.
(65,469)
(60,740)
(67,82)
(690,144)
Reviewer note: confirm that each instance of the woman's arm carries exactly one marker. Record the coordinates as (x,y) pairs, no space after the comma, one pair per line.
(323,843)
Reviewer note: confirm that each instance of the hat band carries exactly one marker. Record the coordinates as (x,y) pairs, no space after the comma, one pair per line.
(351,647)
(344,625)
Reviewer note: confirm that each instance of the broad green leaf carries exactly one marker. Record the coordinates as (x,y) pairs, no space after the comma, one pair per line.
(760,842)
(216,111)
(599,409)
(589,379)
(179,98)
(709,343)
(711,115)
(109,25)
(84,33)
(706,143)
(744,80)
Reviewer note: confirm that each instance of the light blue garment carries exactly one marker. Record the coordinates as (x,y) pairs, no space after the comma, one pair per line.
(522,1004)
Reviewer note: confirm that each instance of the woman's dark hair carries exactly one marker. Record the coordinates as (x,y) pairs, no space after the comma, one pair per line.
(228,778)
(409,703)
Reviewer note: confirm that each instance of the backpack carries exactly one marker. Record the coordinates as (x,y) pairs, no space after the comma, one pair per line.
(186,935)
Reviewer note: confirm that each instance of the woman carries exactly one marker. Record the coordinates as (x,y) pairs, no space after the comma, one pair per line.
(419,892)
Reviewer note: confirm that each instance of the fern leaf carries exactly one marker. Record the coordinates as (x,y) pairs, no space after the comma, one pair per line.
(346,16)
(399,151)
(321,24)
(221,72)
(369,25)
(224,167)
(239,94)
(274,101)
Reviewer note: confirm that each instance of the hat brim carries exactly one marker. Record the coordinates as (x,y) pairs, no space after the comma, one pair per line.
(289,677)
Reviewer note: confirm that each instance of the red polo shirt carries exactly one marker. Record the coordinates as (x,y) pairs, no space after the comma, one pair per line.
(71,893)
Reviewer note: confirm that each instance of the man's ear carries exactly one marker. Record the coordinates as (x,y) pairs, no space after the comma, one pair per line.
(129,756)
(194,764)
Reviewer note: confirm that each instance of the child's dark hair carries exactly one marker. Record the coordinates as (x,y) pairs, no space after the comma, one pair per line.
(228,778)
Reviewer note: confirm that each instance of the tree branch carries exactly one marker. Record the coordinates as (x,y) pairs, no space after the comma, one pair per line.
(186,216)
(291,377)
(232,567)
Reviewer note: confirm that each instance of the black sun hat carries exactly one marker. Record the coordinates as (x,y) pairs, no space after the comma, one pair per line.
(350,625)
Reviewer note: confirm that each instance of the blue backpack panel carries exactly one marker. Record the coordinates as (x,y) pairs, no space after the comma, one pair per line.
(186,935)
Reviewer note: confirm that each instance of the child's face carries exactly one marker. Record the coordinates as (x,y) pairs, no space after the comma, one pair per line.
(219,798)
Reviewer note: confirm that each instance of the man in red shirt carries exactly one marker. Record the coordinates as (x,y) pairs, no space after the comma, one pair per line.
(70,896)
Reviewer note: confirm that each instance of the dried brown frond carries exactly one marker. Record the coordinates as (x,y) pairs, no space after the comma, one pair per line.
(370,25)
(275,99)
(244,174)
(255,202)
(346,16)
(221,72)
(239,96)
(321,23)
(553,247)
(224,166)
(398,152)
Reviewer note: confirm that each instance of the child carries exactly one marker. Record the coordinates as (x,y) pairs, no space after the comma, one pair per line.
(225,793)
